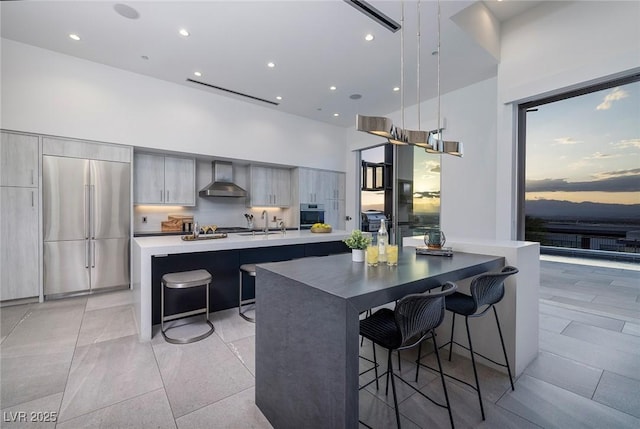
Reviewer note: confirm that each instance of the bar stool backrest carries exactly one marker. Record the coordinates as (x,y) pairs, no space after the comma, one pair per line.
(488,289)
(419,313)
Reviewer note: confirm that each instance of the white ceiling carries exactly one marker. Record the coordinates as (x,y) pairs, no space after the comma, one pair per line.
(314,44)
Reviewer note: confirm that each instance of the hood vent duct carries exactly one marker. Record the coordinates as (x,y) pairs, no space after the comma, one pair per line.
(222,184)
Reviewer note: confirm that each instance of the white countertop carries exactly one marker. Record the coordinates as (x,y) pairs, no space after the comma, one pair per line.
(174,244)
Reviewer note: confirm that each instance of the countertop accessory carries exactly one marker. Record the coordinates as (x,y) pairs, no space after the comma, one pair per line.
(434,238)
(204,236)
(321,229)
(425,250)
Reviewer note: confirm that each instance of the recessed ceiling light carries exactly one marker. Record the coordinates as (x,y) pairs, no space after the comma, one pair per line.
(332,88)
(336,114)
(183,32)
(369,37)
(197,73)
(74,37)
(271,65)
(396,88)
(278,98)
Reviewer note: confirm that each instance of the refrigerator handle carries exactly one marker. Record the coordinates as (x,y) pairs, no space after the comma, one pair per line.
(92,214)
(93,254)
(86,211)
(86,254)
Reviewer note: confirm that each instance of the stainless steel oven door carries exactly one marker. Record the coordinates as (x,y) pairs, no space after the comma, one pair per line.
(310,214)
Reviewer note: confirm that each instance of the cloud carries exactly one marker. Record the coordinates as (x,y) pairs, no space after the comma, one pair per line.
(427,194)
(566,140)
(611,181)
(615,95)
(600,155)
(624,144)
(617,173)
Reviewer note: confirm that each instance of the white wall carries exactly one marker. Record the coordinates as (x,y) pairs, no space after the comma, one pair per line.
(49,93)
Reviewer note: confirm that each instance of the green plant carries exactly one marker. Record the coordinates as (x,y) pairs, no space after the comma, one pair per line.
(357,240)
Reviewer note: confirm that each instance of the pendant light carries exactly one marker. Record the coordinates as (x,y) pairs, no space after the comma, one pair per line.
(431,141)
(436,142)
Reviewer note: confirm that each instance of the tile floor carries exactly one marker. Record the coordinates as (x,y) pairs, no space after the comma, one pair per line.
(80,359)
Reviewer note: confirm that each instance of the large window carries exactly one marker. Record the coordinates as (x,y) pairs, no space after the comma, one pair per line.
(582,168)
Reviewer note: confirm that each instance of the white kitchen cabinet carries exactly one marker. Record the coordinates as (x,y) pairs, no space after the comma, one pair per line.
(19,160)
(269,187)
(334,213)
(332,185)
(318,186)
(85,149)
(310,185)
(326,188)
(162,179)
(19,253)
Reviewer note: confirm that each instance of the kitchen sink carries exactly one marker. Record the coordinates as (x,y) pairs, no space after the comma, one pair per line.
(258,233)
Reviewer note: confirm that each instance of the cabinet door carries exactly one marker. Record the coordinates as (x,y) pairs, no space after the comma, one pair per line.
(309,184)
(180,181)
(148,173)
(261,190)
(19,263)
(18,160)
(334,213)
(340,186)
(281,186)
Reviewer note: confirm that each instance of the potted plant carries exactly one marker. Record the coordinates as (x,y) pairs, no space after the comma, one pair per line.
(357,242)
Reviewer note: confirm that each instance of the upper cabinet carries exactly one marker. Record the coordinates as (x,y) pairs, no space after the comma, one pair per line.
(318,186)
(269,187)
(326,188)
(162,179)
(19,160)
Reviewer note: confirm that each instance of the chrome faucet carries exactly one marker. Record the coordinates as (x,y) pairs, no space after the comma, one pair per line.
(265,216)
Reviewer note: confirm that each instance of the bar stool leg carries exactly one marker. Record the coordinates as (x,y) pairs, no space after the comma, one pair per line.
(162,307)
(504,350)
(475,371)
(453,326)
(444,386)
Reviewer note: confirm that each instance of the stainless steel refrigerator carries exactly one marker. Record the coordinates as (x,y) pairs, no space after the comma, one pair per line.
(86,215)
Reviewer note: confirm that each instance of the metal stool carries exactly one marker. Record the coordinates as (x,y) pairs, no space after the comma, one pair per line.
(250,269)
(184,280)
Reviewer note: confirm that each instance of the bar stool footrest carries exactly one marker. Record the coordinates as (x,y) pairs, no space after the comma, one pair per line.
(188,340)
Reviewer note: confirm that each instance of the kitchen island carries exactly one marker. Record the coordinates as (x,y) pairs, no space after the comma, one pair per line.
(307,336)
(151,255)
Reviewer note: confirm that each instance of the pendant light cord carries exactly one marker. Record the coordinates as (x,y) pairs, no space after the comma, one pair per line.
(418,67)
(402,63)
(439,128)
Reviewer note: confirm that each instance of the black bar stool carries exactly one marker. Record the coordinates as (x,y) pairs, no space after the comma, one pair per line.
(250,270)
(411,322)
(486,291)
(185,280)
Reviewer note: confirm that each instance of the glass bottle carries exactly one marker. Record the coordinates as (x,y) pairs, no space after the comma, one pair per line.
(196,229)
(382,241)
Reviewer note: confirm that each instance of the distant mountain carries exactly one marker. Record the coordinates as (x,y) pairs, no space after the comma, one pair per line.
(581,211)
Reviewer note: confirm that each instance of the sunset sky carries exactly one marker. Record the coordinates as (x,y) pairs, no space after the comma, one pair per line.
(586,148)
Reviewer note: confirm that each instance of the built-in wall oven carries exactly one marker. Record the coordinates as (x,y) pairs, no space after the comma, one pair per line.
(310,214)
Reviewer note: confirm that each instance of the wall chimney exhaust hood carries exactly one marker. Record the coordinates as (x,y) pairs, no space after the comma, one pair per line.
(222,184)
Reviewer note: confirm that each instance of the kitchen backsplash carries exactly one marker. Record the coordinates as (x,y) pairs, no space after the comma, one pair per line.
(211,211)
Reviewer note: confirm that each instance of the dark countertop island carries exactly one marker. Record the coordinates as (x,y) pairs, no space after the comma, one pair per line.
(307,328)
